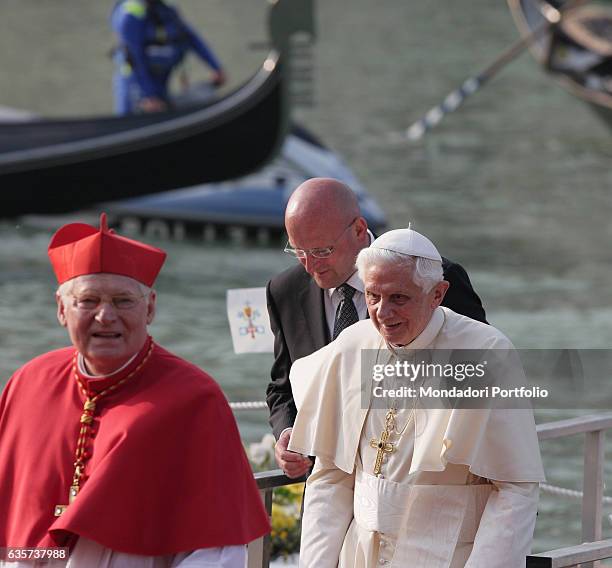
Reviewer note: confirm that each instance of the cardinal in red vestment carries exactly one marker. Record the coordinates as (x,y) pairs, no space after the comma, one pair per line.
(115,447)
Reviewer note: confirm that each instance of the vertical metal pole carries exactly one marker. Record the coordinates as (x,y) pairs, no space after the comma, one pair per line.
(259,550)
(267,541)
(255,554)
(593,488)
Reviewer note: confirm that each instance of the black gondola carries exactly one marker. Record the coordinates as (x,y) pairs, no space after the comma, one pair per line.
(53,166)
(577,51)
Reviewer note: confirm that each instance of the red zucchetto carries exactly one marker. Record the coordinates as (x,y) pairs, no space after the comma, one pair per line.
(78,249)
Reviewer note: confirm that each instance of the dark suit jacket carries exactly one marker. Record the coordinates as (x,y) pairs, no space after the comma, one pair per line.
(297,316)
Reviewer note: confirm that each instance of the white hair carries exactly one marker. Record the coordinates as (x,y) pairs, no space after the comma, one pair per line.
(426,273)
(65,289)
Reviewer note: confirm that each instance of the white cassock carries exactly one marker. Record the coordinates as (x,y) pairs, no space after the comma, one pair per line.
(89,554)
(460,488)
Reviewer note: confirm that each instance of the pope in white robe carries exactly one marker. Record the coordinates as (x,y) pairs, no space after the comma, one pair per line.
(456,487)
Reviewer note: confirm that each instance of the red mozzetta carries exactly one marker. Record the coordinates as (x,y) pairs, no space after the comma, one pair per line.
(167,471)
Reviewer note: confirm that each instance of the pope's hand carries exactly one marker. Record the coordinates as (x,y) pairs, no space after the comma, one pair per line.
(293,464)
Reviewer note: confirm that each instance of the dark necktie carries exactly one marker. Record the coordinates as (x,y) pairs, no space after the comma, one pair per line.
(346,314)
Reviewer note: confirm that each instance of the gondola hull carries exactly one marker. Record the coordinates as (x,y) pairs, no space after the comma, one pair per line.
(60,166)
(255,204)
(584,83)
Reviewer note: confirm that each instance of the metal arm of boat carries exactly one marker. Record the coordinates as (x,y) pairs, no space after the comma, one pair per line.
(553,17)
(578,29)
(472,84)
(289,17)
(292,32)
(552,14)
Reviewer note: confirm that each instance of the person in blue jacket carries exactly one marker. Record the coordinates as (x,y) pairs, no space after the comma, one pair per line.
(153,40)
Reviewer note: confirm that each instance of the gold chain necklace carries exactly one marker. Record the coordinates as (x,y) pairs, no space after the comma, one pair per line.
(393,408)
(393,412)
(86,432)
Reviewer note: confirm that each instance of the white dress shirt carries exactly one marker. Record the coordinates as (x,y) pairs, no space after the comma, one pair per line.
(332,298)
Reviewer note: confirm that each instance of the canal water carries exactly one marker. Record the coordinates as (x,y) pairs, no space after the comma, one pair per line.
(515,185)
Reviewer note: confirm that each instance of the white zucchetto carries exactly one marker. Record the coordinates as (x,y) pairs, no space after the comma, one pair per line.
(409,242)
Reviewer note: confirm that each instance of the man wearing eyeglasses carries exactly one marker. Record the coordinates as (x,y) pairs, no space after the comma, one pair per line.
(311,303)
(114,451)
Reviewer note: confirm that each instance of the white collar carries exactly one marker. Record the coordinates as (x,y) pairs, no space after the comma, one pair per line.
(81,364)
(353,281)
(426,337)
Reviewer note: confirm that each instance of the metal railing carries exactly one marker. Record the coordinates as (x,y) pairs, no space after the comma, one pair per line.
(259,550)
(584,555)
(593,547)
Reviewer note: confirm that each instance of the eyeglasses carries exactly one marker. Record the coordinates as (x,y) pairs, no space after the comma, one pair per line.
(319,252)
(90,302)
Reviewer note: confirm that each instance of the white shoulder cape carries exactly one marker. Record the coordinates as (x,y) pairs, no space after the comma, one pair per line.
(498,444)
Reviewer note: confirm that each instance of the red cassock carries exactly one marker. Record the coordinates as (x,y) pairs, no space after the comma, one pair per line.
(167,472)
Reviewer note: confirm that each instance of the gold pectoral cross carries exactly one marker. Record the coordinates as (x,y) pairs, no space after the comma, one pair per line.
(60,509)
(383,446)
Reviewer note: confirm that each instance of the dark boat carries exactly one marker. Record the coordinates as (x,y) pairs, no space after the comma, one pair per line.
(53,166)
(251,208)
(577,51)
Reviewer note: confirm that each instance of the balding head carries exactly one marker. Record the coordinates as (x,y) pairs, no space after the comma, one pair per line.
(324,212)
(322,198)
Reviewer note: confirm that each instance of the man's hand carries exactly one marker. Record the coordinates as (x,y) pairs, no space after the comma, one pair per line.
(218,78)
(293,464)
(152,104)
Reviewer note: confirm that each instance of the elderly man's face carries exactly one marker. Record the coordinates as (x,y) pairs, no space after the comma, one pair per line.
(106,316)
(346,240)
(398,308)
